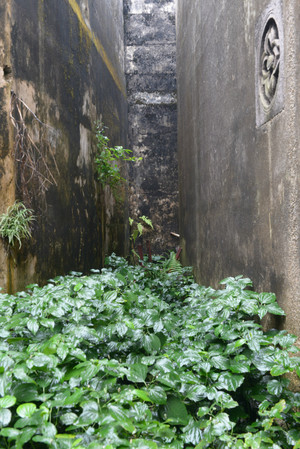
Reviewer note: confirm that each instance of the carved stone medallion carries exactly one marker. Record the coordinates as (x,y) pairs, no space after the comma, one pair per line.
(270,61)
(269,64)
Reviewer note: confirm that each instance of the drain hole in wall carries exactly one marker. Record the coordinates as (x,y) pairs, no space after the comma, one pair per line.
(7,70)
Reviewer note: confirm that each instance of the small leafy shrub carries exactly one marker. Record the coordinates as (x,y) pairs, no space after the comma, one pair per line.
(15,223)
(108,160)
(142,357)
(137,227)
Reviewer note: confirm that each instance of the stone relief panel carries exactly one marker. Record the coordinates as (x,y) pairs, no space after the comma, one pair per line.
(269,63)
(270,59)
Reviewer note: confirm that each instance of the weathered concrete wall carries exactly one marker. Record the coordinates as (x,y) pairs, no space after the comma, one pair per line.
(239,175)
(7,185)
(150,45)
(67,62)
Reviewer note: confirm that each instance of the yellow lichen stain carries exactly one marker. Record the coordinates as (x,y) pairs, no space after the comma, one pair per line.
(41,11)
(99,47)
(80,31)
(85,45)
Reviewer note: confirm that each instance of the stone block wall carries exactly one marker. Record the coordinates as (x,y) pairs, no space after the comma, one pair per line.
(239,170)
(66,71)
(150,66)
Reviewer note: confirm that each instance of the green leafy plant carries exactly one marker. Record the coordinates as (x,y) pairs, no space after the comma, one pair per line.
(108,159)
(117,360)
(15,223)
(137,227)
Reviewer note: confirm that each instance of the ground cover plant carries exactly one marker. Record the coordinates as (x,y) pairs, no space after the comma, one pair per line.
(143,357)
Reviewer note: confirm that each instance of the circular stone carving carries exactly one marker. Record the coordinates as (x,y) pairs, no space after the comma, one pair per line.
(270,59)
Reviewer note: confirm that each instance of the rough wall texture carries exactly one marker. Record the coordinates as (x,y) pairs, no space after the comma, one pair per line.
(239,183)
(7,185)
(66,59)
(150,45)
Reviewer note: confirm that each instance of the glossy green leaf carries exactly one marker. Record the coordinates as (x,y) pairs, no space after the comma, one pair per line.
(43,439)
(142,395)
(25,436)
(118,413)
(277,409)
(73,399)
(65,436)
(122,329)
(110,296)
(47,323)
(275,309)
(275,387)
(151,343)
(157,395)
(240,364)
(5,417)
(196,392)
(143,444)
(10,432)
(284,340)
(278,370)
(62,351)
(253,441)
(3,383)
(192,433)
(78,287)
(48,430)
(26,392)
(83,371)
(254,344)
(137,373)
(68,418)
(128,425)
(33,325)
(4,333)
(175,411)
(220,362)
(221,424)
(90,413)
(20,373)
(293,436)
(230,381)
(202,411)
(7,401)
(164,365)
(26,410)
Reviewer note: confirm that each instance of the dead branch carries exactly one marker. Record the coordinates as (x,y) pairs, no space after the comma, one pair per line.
(32,156)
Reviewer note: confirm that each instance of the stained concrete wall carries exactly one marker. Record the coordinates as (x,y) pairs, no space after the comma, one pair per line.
(239,179)
(7,185)
(66,59)
(150,46)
